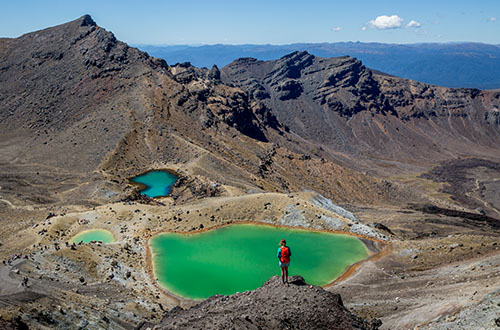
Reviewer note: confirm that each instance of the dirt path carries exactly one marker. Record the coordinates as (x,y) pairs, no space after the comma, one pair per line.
(7,202)
(476,190)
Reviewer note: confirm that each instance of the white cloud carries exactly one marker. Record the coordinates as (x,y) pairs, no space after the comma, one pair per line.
(414,24)
(492,19)
(336,28)
(386,22)
(363,28)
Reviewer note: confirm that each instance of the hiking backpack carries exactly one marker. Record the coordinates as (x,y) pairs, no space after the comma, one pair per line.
(285,254)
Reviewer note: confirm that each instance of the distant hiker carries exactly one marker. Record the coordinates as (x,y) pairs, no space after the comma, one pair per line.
(284,254)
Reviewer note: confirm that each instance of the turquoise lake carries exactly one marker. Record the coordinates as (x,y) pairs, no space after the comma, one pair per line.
(157,183)
(243,256)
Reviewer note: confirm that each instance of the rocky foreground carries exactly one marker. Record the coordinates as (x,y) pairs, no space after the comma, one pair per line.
(272,306)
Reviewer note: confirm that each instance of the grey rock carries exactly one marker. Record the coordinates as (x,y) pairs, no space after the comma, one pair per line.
(327,204)
(332,223)
(293,217)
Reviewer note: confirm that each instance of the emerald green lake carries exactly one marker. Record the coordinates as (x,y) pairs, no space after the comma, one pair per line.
(242,257)
(87,236)
(158,183)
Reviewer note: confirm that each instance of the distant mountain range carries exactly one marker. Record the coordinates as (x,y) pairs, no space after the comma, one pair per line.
(472,65)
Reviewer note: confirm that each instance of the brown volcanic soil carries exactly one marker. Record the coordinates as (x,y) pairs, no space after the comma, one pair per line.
(471,182)
(255,141)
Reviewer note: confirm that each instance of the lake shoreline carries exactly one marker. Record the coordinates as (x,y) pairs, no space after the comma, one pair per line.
(375,248)
(142,186)
(109,235)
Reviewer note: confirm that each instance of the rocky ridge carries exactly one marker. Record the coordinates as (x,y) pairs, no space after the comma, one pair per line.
(272,306)
(363,114)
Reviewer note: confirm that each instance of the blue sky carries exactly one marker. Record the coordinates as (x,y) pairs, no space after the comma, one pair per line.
(262,22)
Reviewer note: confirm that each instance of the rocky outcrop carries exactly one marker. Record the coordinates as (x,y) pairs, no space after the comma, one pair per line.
(341,84)
(294,217)
(492,117)
(272,306)
(344,106)
(204,94)
(326,203)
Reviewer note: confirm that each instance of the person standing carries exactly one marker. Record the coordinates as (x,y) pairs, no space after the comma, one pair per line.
(284,254)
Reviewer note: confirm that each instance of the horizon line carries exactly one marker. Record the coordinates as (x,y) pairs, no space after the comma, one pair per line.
(314,43)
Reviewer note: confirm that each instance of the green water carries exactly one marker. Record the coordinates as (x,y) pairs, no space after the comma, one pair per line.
(242,257)
(158,183)
(87,236)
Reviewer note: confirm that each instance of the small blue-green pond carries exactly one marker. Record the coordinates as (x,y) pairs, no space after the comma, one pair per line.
(92,235)
(157,183)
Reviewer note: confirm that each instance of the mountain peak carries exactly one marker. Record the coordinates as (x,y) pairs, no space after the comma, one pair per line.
(86,20)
